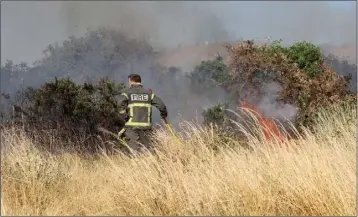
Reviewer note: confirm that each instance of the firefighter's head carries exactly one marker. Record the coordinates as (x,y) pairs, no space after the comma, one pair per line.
(134,79)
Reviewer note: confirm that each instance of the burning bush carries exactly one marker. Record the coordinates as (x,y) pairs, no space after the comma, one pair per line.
(299,69)
(305,81)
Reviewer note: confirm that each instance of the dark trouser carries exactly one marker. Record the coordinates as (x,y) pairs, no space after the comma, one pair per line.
(138,139)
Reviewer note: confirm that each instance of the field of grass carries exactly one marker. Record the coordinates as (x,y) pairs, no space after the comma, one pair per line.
(315,175)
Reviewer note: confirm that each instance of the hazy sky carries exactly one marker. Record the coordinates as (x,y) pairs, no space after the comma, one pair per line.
(28,27)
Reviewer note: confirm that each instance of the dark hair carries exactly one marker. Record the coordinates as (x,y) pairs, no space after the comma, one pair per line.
(135,78)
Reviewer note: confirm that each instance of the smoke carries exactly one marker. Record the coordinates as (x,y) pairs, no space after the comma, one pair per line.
(270,107)
(185,101)
(164,24)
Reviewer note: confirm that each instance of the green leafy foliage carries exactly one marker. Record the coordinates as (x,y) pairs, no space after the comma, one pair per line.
(73,107)
(307,56)
(210,73)
(215,114)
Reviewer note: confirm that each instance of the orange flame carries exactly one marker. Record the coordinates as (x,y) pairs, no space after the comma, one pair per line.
(267,126)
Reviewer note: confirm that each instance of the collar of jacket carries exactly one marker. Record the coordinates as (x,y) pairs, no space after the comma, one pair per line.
(137,85)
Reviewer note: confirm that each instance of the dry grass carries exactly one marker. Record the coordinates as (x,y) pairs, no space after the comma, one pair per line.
(316,176)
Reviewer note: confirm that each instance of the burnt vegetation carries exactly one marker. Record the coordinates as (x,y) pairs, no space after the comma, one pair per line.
(70,92)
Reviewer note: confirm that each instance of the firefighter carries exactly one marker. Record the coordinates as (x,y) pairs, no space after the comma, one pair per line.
(135,104)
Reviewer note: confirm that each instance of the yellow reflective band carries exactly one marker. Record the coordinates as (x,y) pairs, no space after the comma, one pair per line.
(121,132)
(140,124)
(124,94)
(139,104)
(130,111)
(122,111)
(153,96)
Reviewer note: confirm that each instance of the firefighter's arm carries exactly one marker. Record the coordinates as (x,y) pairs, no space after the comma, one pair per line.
(159,104)
(122,101)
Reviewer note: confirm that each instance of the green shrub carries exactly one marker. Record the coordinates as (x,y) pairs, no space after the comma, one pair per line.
(210,73)
(307,56)
(71,109)
(86,105)
(216,114)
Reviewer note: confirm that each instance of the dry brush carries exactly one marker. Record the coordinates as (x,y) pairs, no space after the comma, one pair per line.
(314,174)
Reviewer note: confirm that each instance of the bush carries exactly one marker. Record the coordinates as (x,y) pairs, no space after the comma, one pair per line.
(210,73)
(70,107)
(215,114)
(299,69)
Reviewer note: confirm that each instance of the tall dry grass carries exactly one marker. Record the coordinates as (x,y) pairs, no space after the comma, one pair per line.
(316,175)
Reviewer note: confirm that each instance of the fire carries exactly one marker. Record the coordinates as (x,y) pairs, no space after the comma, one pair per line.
(267,126)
